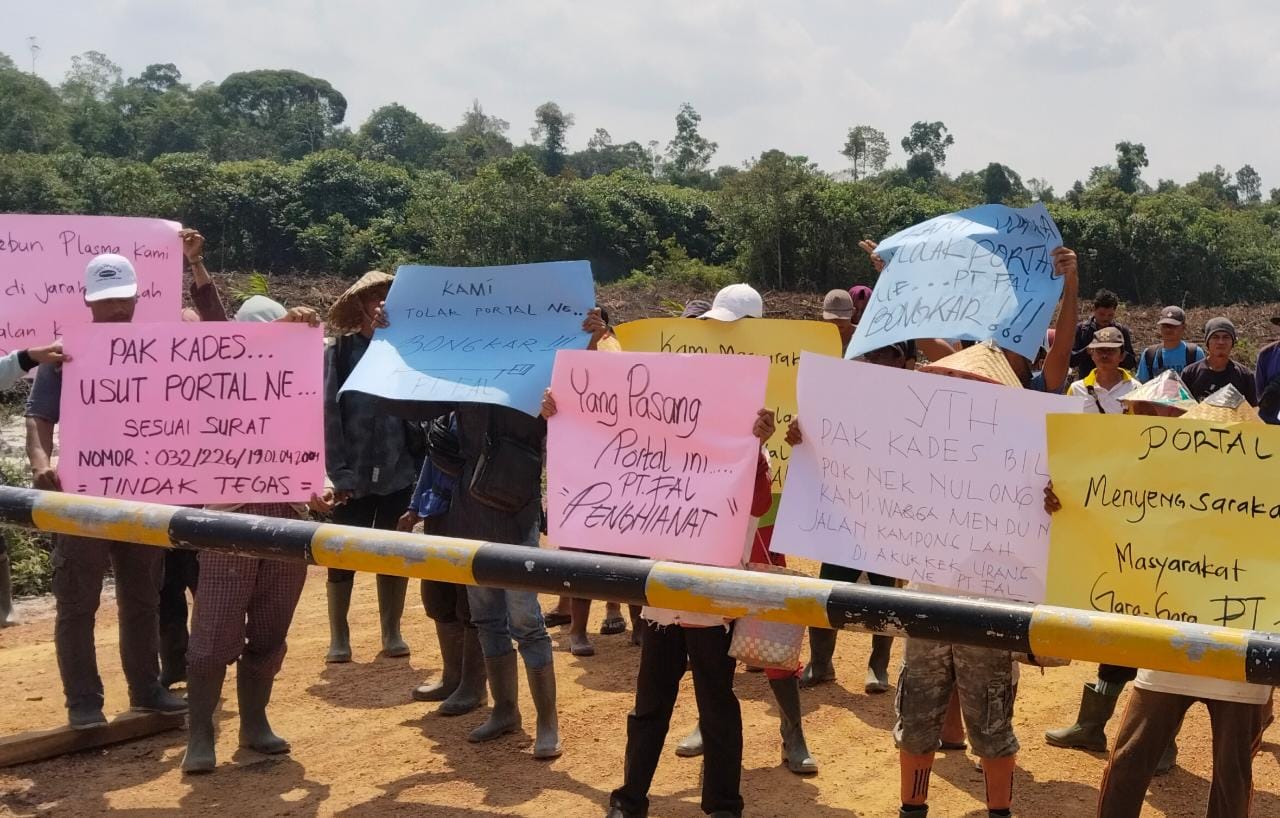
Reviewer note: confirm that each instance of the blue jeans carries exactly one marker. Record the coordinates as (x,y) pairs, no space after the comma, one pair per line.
(501,615)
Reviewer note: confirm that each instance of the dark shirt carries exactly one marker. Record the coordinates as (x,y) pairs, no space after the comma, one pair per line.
(1268,365)
(367,451)
(1080,358)
(45,399)
(1203,381)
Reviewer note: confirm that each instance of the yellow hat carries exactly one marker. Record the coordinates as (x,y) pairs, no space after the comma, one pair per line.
(1226,405)
(981,362)
(346,314)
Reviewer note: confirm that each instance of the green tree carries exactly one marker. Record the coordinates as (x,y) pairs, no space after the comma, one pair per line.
(1131,158)
(867,150)
(31,114)
(1215,187)
(689,152)
(294,111)
(1040,190)
(766,211)
(551,126)
(1249,183)
(480,139)
(603,156)
(1000,184)
(91,75)
(396,132)
(931,139)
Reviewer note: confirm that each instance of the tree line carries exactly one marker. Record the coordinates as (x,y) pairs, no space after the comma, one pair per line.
(263,164)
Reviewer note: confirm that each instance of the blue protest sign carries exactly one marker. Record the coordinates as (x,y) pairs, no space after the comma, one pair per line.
(982,273)
(476,334)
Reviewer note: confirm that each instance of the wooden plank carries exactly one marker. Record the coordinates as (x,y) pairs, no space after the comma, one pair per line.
(37,745)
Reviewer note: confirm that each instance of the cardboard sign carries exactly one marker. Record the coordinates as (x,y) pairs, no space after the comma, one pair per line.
(652,455)
(981,273)
(193,413)
(476,334)
(42,263)
(1169,518)
(921,477)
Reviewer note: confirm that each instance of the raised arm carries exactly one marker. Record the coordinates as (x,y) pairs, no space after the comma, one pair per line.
(1058,361)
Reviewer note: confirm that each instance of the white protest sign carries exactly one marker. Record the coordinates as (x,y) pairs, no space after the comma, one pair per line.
(921,477)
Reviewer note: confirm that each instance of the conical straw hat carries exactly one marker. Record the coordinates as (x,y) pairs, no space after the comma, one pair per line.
(1166,389)
(981,362)
(1226,405)
(345,315)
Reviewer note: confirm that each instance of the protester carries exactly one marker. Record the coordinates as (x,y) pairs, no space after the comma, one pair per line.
(860,295)
(822,641)
(1268,368)
(182,567)
(1105,303)
(676,641)
(1218,369)
(1102,389)
(462,684)
(243,608)
(21,361)
(80,563)
(1172,352)
(838,310)
(372,460)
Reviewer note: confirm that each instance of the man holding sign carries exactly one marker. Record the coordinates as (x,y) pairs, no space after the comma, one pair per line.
(79,563)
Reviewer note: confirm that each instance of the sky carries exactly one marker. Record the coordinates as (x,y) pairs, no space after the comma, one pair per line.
(1047,88)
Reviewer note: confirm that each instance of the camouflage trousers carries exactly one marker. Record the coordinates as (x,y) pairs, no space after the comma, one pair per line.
(930,671)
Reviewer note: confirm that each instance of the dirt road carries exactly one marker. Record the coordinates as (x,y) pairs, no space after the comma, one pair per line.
(362,748)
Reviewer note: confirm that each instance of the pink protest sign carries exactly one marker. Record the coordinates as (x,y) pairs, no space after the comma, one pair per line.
(42,262)
(193,413)
(651,455)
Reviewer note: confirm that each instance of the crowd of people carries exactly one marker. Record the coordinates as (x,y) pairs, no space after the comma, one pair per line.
(475,471)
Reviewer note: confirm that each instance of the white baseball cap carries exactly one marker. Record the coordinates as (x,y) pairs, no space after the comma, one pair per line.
(734,302)
(109,276)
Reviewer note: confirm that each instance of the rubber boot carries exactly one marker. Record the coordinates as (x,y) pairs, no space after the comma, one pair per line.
(691,745)
(391,591)
(173,653)
(203,692)
(542,688)
(795,752)
(822,647)
(253,695)
(1088,733)
(922,812)
(6,590)
(471,692)
(878,664)
(450,636)
(505,716)
(339,596)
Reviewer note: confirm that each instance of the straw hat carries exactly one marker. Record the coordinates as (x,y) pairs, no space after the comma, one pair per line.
(346,315)
(1166,389)
(980,362)
(1226,405)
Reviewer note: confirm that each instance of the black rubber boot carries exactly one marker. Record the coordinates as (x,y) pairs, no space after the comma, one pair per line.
(253,695)
(6,590)
(542,688)
(691,745)
(203,693)
(795,752)
(450,636)
(339,597)
(505,716)
(391,591)
(471,692)
(878,664)
(1089,731)
(822,647)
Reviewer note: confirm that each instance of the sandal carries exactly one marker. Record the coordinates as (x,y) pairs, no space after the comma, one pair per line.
(612,625)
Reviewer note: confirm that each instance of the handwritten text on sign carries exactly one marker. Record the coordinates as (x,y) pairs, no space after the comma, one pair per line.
(42,262)
(921,477)
(1175,519)
(652,455)
(476,334)
(985,272)
(193,413)
(781,342)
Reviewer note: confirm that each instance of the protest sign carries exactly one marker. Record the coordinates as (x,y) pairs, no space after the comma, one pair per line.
(1168,518)
(476,334)
(652,455)
(193,413)
(42,263)
(981,273)
(921,477)
(778,340)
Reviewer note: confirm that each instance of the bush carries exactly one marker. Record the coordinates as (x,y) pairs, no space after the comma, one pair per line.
(28,550)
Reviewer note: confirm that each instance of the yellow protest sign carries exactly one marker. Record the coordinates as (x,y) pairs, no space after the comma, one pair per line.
(780,341)
(1168,518)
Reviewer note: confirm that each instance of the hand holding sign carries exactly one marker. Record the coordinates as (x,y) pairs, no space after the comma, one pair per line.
(985,272)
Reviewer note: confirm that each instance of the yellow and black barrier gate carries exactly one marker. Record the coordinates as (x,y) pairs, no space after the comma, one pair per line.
(1041,630)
